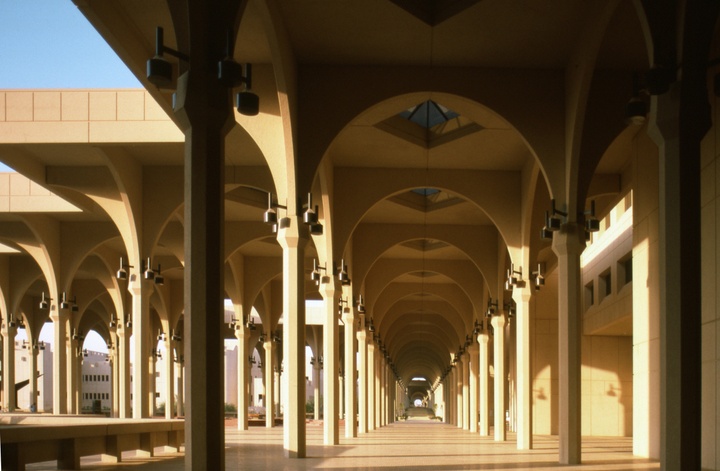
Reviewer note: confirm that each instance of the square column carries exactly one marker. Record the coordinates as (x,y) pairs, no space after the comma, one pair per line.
(371,405)
(473,352)
(568,244)
(293,243)
(331,363)
(524,368)
(8,371)
(243,371)
(498,323)
(351,428)
(362,381)
(60,396)
(466,392)
(269,378)
(123,366)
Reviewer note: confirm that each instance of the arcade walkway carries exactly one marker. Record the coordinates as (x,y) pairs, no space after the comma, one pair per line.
(406,446)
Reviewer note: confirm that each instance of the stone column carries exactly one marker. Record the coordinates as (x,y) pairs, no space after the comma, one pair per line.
(568,244)
(341,389)
(269,380)
(473,407)
(113,356)
(371,405)
(316,388)
(34,374)
(524,367)
(362,382)
(466,391)
(152,383)
(459,393)
(169,377)
(181,387)
(242,335)
(141,291)
(331,364)
(123,353)
(73,366)
(498,323)
(293,243)
(8,372)
(484,380)
(59,346)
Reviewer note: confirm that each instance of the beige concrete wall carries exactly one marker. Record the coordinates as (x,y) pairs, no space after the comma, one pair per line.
(67,116)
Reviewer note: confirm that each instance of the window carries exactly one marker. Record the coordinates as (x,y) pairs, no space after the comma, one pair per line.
(605,284)
(625,270)
(589,295)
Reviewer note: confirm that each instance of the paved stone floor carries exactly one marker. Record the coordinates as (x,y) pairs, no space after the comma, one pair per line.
(411,445)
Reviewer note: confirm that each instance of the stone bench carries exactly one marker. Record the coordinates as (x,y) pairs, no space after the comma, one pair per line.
(67,442)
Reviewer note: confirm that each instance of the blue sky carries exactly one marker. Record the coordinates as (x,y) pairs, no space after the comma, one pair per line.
(50,44)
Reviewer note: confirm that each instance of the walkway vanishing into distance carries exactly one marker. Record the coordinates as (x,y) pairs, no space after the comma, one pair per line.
(430,446)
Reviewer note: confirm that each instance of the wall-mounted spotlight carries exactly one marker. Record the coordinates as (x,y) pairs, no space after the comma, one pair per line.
(514,278)
(234,323)
(250,324)
(343,306)
(230,73)
(310,217)
(77,334)
(491,308)
(552,221)
(175,336)
(360,304)
(592,224)
(128,322)
(477,327)
(315,275)
(371,326)
(156,353)
(161,336)
(510,308)
(270,216)
(251,360)
(113,321)
(159,278)
(39,345)
(147,270)
(44,302)
(122,273)
(342,273)
(539,276)
(66,303)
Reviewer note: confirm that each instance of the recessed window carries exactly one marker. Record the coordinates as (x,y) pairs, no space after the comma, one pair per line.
(605,284)
(589,295)
(625,273)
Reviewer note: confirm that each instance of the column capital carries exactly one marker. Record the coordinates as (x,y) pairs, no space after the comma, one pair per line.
(569,240)
(483,337)
(329,290)
(348,318)
(293,235)
(522,295)
(361,335)
(498,321)
(242,333)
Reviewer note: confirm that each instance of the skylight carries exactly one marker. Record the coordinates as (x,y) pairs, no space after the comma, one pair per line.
(429,114)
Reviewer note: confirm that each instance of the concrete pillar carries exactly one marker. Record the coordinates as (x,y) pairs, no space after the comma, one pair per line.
(8,371)
(152,383)
(123,359)
(524,367)
(459,393)
(331,364)
(243,370)
(269,378)
(371,404)
(59,362)
(141,389)
(466,391)
(293,243)
(474,357)
(316,388)
(362,382)
(114,374)
(169,377)
(341,398)
(73,366)
(568,244)
(498,323)
(180,387)
(34,375)
(378,388)
(682,120)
